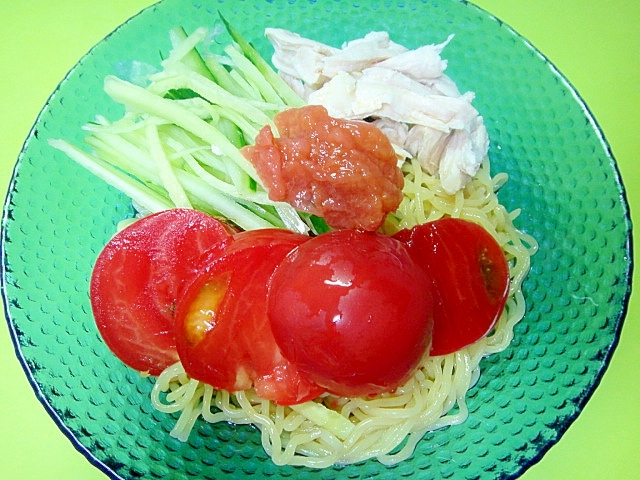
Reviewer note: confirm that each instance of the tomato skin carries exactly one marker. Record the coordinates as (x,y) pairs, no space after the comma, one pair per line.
(137,278)
(186,236)
(471,279)
(353,311)
(223,333)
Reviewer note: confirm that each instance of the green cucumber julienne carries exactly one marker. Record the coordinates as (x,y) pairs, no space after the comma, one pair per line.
(178,143)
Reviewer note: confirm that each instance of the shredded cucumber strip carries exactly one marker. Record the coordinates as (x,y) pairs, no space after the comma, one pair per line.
(284,91)
(184,51)
(167,175)
(224,78)
(253,75)
(140,194)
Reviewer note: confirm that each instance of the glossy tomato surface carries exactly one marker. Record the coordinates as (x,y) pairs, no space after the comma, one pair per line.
(180,244)
(224,337)
(471,279)
(138,277)
(353,311)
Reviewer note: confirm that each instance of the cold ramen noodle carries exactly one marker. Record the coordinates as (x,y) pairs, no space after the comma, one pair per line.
(188,142)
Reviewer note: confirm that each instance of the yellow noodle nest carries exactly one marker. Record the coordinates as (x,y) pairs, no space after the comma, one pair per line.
(389,426)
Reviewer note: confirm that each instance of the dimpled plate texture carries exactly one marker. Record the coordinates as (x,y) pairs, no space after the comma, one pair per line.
(57,218)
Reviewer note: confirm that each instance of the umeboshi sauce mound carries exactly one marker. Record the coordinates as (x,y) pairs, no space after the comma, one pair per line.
(341,170)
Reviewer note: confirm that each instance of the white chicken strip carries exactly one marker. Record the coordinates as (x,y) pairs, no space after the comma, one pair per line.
(396,132)
(383,93)
(426,145)
(361,53)
(298,86)
(420,64)
(299,57)
(458,163)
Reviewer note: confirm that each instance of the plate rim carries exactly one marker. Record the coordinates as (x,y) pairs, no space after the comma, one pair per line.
(594,126)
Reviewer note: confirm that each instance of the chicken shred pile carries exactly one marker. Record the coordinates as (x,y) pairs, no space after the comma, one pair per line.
(404,92)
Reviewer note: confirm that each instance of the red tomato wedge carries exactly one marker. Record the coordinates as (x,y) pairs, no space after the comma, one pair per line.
(471,279)
(353,311)
(139,275)
(223,333)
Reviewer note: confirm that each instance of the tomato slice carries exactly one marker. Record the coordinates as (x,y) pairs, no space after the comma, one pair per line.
(471,279)
(353,311)
(180,243)
(137,278)
(223,333)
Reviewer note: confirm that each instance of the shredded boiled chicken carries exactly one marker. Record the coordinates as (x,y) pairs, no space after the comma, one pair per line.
(404,92)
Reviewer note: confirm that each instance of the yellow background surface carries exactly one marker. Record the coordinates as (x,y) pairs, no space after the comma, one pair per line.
(594,43)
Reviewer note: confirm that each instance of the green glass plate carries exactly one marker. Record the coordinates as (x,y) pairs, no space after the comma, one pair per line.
(57,217)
